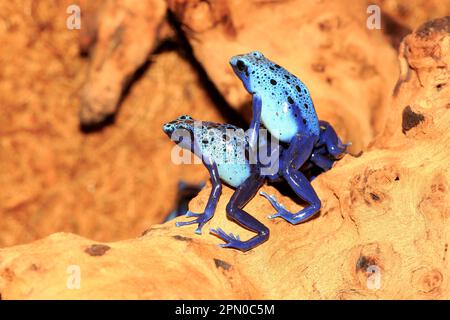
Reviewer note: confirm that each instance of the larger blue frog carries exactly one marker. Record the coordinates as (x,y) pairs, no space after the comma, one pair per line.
(283,104)
(224,150)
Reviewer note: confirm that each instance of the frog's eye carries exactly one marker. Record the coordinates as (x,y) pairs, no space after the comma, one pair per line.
(241,65)
(184,117)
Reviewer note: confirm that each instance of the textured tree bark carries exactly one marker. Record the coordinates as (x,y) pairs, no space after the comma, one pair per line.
(383,230)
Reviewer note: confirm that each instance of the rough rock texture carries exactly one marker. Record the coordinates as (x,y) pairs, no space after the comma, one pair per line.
(105,185)
(413,13)
(117,55)
(386,211)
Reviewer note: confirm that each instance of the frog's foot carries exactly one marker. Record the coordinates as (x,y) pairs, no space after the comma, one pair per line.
(281,209)
(201,219)
(231,240)
(293,218)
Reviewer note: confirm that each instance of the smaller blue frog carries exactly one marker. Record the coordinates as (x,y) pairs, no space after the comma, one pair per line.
(224,150)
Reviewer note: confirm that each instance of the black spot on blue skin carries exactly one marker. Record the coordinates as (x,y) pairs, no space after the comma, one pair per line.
(306,105)
(290,100)
(304,121)
(287,77)
(271,68)
(273,82)
(277,66)
(298,89)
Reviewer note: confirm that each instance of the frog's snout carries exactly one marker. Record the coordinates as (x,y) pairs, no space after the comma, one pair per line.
(168,128)
(238,63)
(233,61)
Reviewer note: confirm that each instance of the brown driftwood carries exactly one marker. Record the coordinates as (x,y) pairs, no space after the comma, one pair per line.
(106,185)
(347,77)
(117,55)
(386,211)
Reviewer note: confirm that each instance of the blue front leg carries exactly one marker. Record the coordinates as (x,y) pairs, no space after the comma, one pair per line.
(202,218)
(253,130)
(299,151)
(320,160)
(243,194)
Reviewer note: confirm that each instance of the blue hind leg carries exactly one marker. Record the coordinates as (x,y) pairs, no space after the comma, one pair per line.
(299,151)
(330,138)
(202,218)
(243,194)
(319,159)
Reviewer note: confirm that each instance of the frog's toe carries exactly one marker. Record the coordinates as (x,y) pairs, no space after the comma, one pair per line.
(185,223)
(201,219)
(199,228)
(273,201)
(231,240)
(281,213)
(190,214)
(219,232)
(273,216)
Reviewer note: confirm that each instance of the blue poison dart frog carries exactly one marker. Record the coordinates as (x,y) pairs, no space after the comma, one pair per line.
(283,104)
(224,150)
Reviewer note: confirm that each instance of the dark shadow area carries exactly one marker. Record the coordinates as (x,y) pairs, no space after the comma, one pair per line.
(393,30)
(183,47)
(88,128)
(110,119)
(231,115)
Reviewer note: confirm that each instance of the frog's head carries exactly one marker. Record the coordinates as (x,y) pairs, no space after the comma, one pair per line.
(180,130)
(252,68)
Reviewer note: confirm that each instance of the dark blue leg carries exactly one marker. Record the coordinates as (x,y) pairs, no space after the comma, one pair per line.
(243,194)
(329,137)
(321,161)
(202,218)
(299,151)
(253,130)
